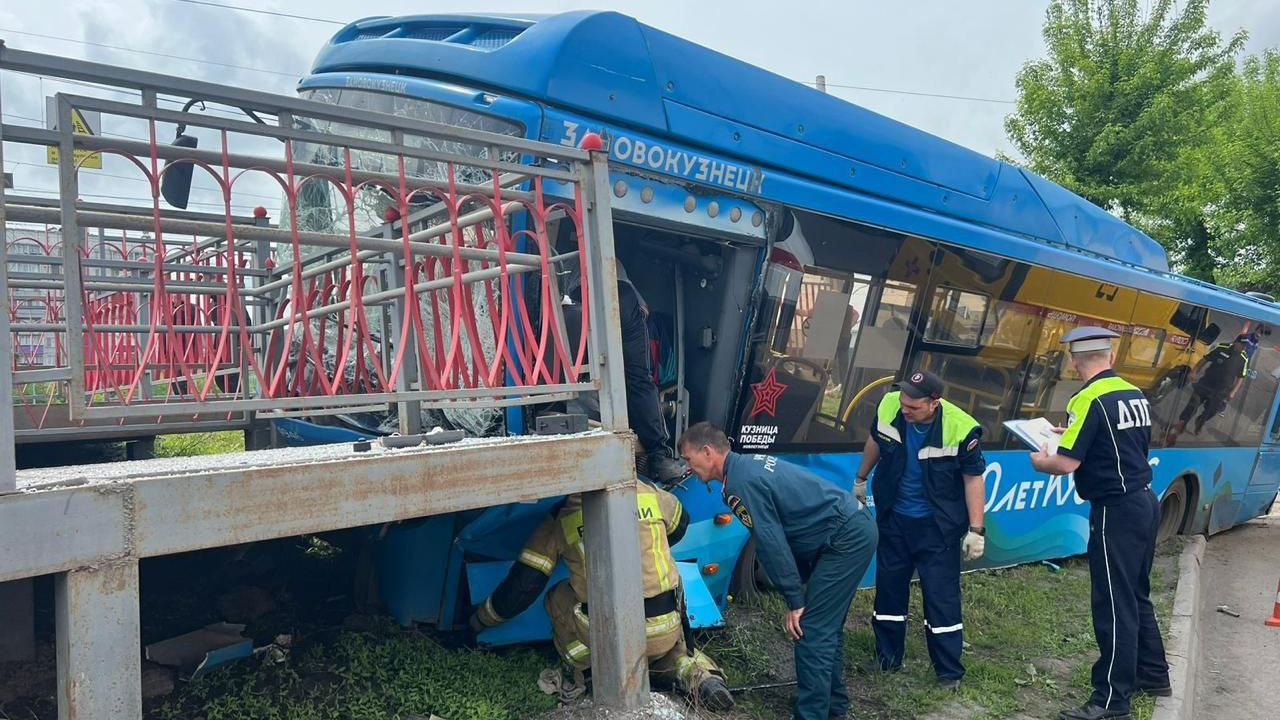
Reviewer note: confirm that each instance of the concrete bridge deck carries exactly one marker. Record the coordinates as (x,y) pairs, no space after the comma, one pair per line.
(90,525)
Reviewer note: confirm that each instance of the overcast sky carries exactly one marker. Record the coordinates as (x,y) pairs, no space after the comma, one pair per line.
(972,48)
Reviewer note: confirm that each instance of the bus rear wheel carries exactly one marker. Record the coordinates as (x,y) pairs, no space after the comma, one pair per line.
(1172,509)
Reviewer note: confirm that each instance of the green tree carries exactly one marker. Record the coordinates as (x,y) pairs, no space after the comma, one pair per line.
(1248,175)
(1122,111)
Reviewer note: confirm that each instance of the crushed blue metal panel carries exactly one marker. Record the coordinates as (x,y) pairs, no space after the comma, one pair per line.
(533,625)
(413,561)
(199,652)
(706,543)
(500,532)
(300,433)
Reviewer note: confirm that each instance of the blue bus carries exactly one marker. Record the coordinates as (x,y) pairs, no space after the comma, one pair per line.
(798,252)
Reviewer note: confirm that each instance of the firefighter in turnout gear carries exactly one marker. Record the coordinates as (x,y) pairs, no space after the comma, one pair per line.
(661,522)
(1105,444)
(814,539)
(929,501)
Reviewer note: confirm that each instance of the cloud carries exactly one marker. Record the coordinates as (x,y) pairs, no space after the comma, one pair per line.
(938,46)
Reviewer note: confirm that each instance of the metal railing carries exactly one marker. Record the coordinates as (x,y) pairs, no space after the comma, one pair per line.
(451,298)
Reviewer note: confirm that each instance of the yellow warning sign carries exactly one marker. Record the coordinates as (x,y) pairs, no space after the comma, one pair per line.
(84,158)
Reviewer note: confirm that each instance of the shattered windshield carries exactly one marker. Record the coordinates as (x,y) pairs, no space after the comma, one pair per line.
(320,206)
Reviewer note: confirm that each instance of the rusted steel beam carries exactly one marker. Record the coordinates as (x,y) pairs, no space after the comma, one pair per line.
(98,642)
(67,518)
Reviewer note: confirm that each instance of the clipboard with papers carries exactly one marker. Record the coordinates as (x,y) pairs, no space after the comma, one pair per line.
(1035,432)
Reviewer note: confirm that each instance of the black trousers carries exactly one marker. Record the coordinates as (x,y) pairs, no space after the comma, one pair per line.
(907,546)
(819,654)
(1122,543)
(643,412)
(1210,404)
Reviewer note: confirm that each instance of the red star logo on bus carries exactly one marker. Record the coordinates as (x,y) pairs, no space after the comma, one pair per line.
(767,392)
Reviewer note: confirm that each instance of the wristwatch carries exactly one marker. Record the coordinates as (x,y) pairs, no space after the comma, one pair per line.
(978,530)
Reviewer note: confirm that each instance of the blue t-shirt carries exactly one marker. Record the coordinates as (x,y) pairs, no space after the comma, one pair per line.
(912,501)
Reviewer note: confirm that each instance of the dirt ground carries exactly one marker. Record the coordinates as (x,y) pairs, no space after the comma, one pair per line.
(1239,655)
(1027,654)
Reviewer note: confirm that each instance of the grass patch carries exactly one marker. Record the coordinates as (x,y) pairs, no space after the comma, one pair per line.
(1028,628)
(386,674)
(1029,648)
(206,443)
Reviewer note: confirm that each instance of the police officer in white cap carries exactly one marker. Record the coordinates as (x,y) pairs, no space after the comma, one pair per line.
(1105,444)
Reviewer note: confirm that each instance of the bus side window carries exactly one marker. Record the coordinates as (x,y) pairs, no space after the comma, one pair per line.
(982,335)
(835,322)
(1226,393)
(1019,368)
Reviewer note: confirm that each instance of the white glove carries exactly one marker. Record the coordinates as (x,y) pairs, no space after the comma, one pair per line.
(973,545)
(860,490)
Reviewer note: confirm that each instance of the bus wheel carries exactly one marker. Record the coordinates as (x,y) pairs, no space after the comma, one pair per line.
(1172,508)
(749,577)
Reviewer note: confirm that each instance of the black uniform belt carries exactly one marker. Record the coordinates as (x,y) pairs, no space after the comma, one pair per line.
(660,604)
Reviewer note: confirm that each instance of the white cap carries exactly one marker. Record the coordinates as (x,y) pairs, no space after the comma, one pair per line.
(1089,339)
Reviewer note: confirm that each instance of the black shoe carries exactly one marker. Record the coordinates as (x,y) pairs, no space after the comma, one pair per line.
(666,470)
(1165,690)
(1089,711)
(876,665)
(713,695)
(949,684)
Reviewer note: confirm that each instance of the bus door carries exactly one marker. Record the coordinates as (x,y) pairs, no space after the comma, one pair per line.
(1264,369)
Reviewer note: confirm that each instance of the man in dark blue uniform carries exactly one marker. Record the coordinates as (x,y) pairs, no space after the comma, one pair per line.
(1215,381)
(644,411)
(929,507)
(1105,444)
(807,530)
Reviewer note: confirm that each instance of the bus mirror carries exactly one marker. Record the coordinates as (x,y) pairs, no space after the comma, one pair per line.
(1210,333)
(175,184)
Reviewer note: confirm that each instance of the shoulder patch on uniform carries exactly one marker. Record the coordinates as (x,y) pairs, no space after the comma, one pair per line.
(739,509)
(972,444)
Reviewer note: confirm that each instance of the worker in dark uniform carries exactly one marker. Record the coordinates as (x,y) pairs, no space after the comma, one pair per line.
(929,507)
(1105,444)
(644,411)
(1215,381)
(807,530)
(661,522)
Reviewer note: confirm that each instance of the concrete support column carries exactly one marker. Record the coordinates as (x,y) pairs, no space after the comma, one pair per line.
(99,643)
(619,669)
(17,621)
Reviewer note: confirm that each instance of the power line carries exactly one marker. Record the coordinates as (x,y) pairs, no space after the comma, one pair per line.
(24,117)
(262,12)
(96,173)
(156,54)
(125,197)
(104,134)
(917,93)
(893,91)
(126,91)
(846,86)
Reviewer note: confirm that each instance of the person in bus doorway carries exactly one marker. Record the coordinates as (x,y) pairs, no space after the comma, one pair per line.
(1105,444)
(929,497)
(807,530)
(661,522)
(1215,381)
(644,411)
